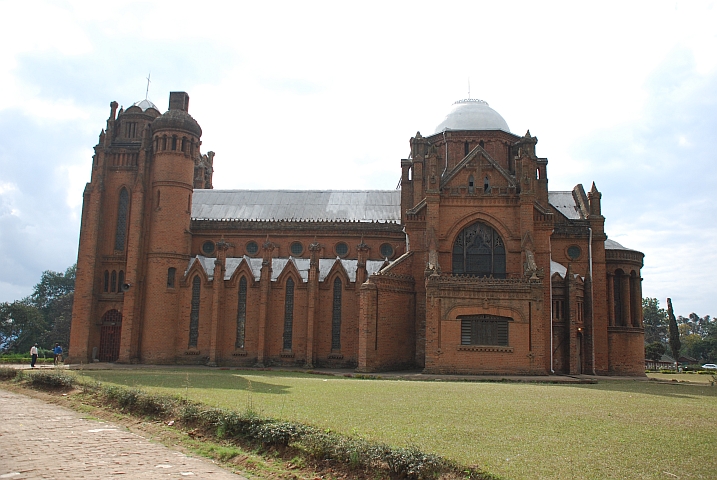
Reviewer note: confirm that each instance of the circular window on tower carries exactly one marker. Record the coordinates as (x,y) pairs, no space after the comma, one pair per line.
(386,250)
(208,247)
(341,249)
(252,248)
(574,252)
(296,249)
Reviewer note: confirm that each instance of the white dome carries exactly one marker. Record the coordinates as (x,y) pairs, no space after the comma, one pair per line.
(145,105)
(472,114)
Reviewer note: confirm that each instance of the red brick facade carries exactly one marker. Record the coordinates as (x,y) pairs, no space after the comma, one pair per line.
(481,271)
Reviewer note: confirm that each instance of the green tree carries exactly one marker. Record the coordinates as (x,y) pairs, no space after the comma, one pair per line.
(655,351)
(21,325)
(674,333)
(43,317)
(655,321)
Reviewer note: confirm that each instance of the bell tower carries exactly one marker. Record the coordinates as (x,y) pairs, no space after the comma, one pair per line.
(175,138)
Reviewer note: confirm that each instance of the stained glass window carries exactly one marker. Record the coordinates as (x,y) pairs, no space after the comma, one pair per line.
(336,317)
(288,313)
(479,250)
(241,314)
(121,232)
(194,315)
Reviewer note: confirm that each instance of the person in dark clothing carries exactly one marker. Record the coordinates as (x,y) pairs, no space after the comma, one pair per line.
(33,354)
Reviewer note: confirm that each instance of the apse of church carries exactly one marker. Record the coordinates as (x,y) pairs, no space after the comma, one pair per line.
(472,266)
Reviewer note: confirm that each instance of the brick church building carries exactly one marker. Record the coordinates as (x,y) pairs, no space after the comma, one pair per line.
(472,266)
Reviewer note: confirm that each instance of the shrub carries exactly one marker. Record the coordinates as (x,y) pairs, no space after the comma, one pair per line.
(51,379)
(8,373)
(137,401)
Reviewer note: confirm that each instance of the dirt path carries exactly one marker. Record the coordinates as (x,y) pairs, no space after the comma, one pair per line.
(42,440)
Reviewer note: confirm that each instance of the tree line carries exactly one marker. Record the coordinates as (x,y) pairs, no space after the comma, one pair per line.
(693,336)
(43,317)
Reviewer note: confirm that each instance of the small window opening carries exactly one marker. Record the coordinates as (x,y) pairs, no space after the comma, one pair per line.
(171,274)
(482,144)
(107,281)
(486,185)
(120,281)
(174,142)
(113,284)
(466,148)
(159,194)
(471,184)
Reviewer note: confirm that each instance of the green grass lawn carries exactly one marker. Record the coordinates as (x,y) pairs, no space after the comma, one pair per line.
(614,429)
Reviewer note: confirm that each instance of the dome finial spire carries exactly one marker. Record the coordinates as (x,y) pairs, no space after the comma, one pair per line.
(146,93)
(469,88)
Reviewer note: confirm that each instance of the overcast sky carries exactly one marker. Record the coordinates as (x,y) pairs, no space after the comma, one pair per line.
(313,95)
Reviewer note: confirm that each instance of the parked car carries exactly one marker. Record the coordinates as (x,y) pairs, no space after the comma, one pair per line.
(710,366)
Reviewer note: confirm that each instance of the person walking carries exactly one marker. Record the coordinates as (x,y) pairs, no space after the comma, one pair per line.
(58,353)
(33,354)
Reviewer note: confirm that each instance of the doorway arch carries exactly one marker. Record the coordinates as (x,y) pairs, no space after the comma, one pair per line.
(110,334)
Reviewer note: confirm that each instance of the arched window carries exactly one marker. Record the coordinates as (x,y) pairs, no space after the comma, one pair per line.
(159,196)
(121,231)
(174,142)
(618,281)
(113,284)
(194,315)
(241,314)
(120,281)
(336,317)
(288,313)
(479,250)
(486,185)
(107,281)
(466,148)
(171,274)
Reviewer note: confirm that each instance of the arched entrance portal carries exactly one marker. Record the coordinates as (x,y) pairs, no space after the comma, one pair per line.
(110,335)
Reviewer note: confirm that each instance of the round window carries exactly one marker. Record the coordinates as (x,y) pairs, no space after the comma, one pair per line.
(342,249)
(252,248)
(296,249)
(574,252)
(208,247)
(386,250)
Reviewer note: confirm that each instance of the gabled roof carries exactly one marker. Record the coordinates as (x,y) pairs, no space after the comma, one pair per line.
(298,205)
(278,265)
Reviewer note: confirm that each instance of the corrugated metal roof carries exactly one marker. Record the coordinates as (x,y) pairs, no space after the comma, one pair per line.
(613,245)
(278,265)
(564,202)
(298,205)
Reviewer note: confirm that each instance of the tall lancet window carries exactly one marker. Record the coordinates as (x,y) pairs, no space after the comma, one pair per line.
(241,314)
(121,232)
(288,313)
(336,317)
(194,314)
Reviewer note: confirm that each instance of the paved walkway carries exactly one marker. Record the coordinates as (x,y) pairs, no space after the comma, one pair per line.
(42,440)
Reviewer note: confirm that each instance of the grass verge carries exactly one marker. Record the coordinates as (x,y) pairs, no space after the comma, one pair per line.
(245,437)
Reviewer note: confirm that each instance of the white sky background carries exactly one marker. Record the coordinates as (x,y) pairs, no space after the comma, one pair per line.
(308,95)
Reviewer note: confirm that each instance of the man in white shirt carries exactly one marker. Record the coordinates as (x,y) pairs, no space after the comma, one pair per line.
(33,353)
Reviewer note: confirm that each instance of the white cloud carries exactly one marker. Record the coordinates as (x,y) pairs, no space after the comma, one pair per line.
(327,95)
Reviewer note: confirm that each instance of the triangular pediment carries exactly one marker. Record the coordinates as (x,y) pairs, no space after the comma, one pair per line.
(475,155)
